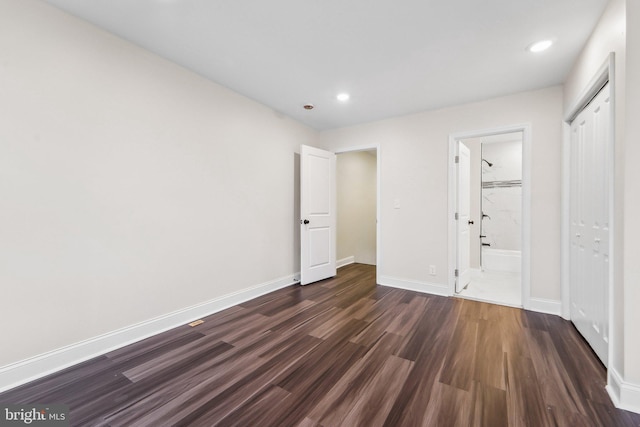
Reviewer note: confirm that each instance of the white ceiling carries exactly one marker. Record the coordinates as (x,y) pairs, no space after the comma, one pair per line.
(393,56)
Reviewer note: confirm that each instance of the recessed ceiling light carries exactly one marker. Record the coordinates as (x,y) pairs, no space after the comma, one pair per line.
(343,97)
(540,46)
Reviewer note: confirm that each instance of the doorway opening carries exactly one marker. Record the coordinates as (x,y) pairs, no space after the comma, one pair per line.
(357,189)
(489,199)
(496,216)
(318,212)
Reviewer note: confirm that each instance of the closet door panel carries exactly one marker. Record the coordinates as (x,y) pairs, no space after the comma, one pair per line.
(589,222)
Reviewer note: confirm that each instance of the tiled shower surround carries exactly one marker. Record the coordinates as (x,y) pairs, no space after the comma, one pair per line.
(502,195)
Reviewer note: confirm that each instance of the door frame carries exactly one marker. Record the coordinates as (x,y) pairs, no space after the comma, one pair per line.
(525,128)
(606,73)
(370,147)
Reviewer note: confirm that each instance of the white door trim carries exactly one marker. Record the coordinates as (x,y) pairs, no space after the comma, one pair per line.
(525,128)
(368,147)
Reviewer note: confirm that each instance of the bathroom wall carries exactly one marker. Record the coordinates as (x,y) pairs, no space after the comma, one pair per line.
(502,201)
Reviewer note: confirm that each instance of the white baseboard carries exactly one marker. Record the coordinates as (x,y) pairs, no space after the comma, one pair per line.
(624,395)
(412,285)
(547,306)
(345,261)
(39,366)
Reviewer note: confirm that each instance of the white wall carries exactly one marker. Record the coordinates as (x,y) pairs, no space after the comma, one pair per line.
(414,173)
(129,187)
(356,174)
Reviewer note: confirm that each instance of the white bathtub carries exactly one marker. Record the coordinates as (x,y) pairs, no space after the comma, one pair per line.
(501,260)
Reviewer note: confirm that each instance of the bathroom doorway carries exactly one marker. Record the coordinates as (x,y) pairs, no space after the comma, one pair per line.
(496,218)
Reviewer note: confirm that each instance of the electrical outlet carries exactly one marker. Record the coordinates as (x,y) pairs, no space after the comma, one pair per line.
(432,270)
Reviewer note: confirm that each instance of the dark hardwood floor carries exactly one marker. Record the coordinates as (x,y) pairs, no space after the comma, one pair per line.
(344,352)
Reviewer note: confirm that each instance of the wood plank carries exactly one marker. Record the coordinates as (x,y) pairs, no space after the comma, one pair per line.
(410,315)
(375,399)
(427,330)
(311,380)
(262,409)
(410,407)
(344,352)
(558,390)
(525,404)
(449,406)
(338,402)
(458,369)
(489,406)
(489,366)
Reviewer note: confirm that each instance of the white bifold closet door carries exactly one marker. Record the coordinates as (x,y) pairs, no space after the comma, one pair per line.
(589,217)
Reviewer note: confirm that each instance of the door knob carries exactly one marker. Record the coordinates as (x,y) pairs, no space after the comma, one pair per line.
(470,222)
(305,222)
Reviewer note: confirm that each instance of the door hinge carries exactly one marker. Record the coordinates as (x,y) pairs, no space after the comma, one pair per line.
(455,216)
(457,160)
(455,272)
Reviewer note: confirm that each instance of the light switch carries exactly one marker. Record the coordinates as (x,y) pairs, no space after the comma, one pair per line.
(396,203)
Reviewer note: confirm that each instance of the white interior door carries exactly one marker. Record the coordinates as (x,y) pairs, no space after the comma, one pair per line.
(464,210)
(318,214)
(589,217)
